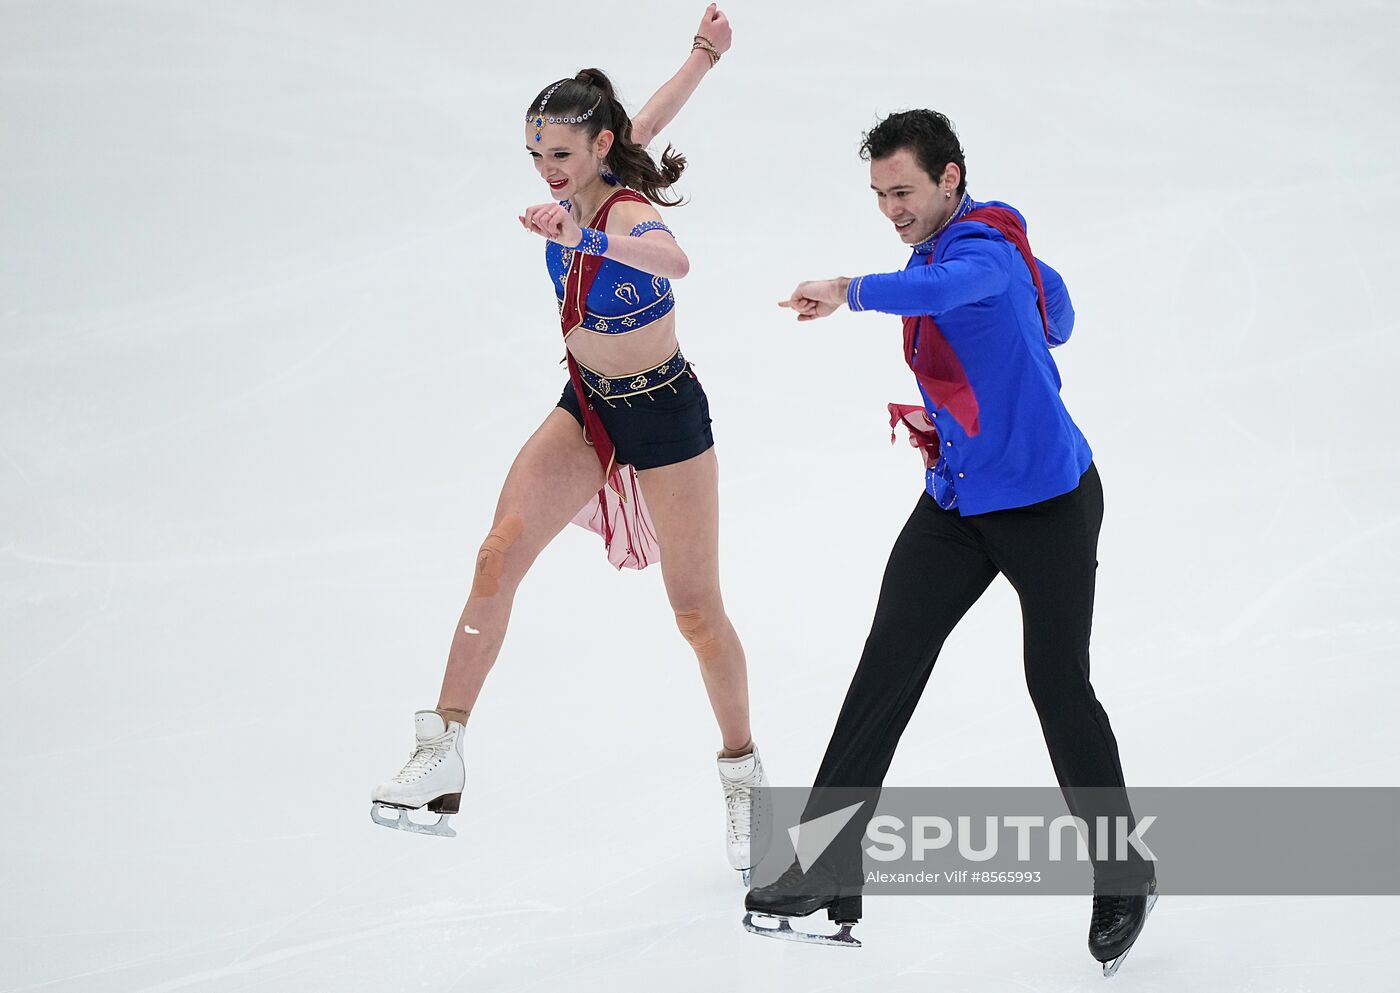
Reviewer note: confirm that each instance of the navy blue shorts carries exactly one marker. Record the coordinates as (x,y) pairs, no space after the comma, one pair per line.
(662,426)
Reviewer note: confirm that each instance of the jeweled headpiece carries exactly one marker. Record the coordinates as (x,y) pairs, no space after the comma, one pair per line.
(541,119)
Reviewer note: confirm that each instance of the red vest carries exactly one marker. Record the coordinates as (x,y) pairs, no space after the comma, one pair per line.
(936,365)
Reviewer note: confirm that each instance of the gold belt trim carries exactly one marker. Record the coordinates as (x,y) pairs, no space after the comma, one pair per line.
(622,387)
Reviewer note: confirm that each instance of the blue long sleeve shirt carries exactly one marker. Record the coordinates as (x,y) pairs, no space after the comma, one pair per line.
(979,291)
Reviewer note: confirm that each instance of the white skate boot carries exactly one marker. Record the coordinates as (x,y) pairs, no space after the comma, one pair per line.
(432,779)
(739,777)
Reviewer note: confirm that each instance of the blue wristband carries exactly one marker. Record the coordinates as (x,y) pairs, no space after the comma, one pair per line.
(594,242)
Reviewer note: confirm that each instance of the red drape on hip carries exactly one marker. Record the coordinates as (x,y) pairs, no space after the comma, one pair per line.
(618,512)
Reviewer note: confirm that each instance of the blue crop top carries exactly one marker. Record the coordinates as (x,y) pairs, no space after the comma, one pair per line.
(622,299)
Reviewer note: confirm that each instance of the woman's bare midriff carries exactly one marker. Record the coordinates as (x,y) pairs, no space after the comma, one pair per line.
(624,354)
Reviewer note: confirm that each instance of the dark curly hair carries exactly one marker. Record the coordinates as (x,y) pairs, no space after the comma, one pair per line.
(926,133)
(628,161)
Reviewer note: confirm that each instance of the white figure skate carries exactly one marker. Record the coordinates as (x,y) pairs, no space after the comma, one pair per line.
(432,779)
(739,777)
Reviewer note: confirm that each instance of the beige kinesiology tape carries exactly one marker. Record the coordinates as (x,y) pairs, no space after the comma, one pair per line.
(491,560)
(695,628)
(450,714)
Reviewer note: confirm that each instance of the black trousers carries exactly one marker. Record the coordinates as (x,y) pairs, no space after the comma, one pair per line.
(941,564)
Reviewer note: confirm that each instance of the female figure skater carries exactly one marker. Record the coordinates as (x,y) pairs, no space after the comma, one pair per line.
(632,420)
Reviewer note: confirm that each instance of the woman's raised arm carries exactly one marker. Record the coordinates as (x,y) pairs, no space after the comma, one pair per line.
(711,41)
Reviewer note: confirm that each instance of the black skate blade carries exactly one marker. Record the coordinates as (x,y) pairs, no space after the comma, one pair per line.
(1110,968)
(786,932)
(403,822)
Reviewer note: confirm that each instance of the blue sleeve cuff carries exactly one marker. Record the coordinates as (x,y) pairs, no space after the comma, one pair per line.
(853,294)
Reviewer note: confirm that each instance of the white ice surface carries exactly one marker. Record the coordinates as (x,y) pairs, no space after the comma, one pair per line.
(270,336)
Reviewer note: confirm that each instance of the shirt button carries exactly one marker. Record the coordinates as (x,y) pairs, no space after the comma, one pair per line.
(934,414)
(949,444)
(961,476)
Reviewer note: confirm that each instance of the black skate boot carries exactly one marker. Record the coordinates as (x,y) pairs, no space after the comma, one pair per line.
(796,894)
(1116,923)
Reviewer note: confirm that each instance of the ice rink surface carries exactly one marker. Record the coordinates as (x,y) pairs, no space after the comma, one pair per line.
(270,336)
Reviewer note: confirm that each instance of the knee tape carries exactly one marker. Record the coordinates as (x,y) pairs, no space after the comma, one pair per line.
(695,628)
(491,560)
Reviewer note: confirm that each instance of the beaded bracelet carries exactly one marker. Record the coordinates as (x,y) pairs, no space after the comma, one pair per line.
(593,242)
(708,47)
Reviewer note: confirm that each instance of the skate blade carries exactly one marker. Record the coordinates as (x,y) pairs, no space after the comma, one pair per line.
(1110,968)
(745,875)
(786,932)
(402,822)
